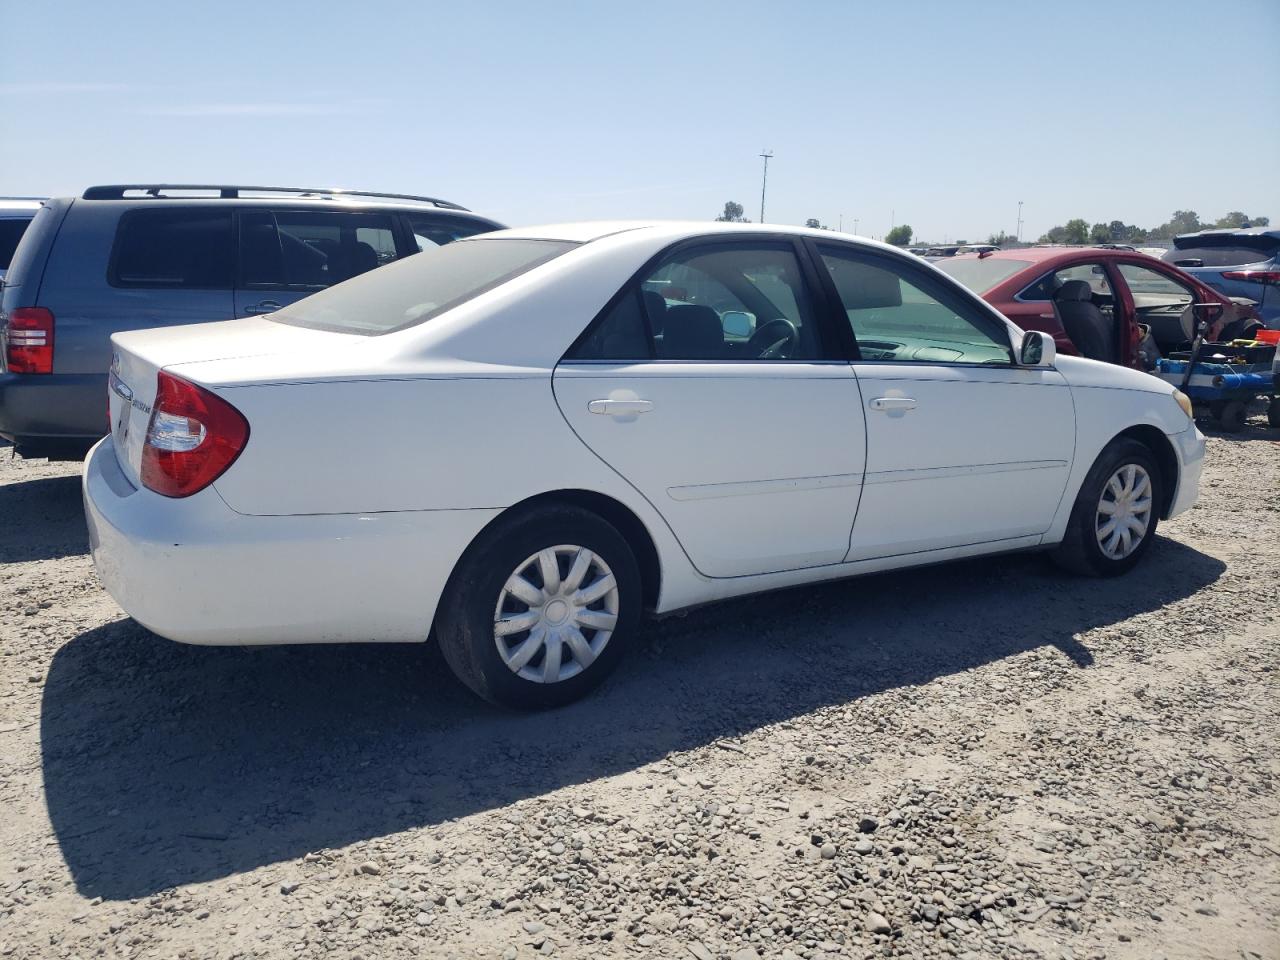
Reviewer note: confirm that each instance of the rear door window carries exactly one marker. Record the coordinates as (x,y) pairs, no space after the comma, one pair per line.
(309,250)
(174,248)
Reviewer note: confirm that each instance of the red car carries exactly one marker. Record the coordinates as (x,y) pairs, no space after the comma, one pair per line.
(1095,302)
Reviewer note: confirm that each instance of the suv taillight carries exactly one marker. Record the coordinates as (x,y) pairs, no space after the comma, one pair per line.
(28,339)
(1253,276)
(193,436)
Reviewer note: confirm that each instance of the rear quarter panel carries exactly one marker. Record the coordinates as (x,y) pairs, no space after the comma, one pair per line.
(423,444)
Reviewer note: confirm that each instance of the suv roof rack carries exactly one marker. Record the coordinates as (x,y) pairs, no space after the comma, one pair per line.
(116,191)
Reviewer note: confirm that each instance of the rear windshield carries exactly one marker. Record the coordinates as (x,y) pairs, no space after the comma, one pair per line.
(981,275)
(11,231)
(417,288)
(1225,251)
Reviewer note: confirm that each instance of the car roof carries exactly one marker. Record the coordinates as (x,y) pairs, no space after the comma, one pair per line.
(130,195)
(325,203)
(590,230)
(1231,232)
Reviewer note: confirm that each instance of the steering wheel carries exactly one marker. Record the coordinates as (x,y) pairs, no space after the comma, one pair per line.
(776,339)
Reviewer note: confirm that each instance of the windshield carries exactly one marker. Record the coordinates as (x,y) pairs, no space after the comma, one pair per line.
(425,285)
(981,275)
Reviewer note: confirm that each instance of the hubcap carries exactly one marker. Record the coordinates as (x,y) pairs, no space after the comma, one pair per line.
(1124,511)
(555,614)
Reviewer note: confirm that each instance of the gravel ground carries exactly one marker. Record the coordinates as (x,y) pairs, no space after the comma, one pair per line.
(986,759)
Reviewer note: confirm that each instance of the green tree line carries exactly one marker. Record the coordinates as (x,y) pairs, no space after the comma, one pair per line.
(1117,231)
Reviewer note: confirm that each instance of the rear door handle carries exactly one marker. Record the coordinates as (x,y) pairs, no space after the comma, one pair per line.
(265,306)
(893,403)
(620,408)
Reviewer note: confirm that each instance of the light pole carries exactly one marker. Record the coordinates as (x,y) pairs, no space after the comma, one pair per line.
(1019,237)
(764,181)
(855,226)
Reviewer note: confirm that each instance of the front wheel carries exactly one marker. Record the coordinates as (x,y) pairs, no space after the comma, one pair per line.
(1116,512)
(540,608)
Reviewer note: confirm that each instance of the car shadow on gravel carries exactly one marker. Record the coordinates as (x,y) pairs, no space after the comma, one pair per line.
(42,519)
(166,764)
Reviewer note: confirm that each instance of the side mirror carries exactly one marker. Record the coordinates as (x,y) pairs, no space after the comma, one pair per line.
(1038,349)
(738,323)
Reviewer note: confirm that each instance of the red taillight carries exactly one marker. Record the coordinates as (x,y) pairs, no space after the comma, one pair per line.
(28,340)
(1253,276)
(193,436)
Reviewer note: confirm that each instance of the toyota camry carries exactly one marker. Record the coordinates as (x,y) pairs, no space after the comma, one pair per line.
(518,445)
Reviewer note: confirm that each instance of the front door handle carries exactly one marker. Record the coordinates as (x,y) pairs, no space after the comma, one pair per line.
(264,306)
(890,403)
(620,408)
(893,403)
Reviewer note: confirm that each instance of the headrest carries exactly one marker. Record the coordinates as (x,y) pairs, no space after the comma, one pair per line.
(692,332)
(1074,290)
(655,307)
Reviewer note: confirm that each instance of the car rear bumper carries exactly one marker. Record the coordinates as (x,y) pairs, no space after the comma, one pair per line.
(195,571)
(1189,446)
(42,414)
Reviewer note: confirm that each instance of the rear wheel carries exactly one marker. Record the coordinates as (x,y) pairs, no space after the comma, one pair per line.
(541,608)
(1273,412)
(1116,512)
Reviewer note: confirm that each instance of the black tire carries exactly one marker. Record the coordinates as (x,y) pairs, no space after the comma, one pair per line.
(1232,418)
(465,620)
(1273,412)
(1080,551)
(1216,407)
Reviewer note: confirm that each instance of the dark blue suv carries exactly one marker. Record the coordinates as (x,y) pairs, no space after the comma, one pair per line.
(153,255)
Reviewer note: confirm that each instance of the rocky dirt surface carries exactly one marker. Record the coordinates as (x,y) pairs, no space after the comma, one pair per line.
(986,759)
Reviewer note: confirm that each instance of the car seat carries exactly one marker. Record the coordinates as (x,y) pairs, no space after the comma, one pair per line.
(1084,323)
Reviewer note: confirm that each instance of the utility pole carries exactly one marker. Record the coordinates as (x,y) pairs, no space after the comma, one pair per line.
(840,229)
(764,181)
(1019,236)
(855,226)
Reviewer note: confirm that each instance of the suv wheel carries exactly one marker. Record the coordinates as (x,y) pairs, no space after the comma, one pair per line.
(540,609)
(1116,512)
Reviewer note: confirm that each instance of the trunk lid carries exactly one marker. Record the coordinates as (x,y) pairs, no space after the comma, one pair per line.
(137,357)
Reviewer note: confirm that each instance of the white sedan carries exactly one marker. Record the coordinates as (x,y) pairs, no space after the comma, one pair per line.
(519,444)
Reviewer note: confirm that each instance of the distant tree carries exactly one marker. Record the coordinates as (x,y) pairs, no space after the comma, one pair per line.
(1002,239)
(1182,221)
(732,214)
(1100,233)
(812,223)
(1236,219)
(899,236)
(1077,231)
